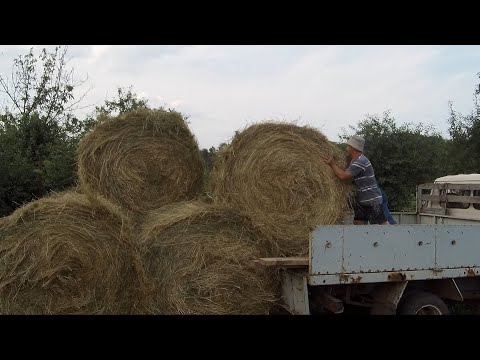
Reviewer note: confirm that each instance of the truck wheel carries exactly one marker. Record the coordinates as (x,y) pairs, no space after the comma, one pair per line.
(422,303)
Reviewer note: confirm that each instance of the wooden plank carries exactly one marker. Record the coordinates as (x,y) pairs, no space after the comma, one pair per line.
(286,262)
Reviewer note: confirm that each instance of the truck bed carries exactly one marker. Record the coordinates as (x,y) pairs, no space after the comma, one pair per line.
(343,254)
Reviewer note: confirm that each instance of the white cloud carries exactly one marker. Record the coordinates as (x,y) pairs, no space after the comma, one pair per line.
(142,94)
(97,52)
(223,88)
(176,103)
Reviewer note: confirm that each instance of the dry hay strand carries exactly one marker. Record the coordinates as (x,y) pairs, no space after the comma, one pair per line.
(68,254)
(275,173)
(200,258)
(142,160)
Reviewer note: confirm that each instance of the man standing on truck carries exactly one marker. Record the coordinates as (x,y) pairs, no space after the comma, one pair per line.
(368,204)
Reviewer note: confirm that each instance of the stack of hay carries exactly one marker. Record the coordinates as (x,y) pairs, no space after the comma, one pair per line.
(274,172)
(200,258)
(197,256)
(78,252)
(137,238)
(69,254)
(141,160)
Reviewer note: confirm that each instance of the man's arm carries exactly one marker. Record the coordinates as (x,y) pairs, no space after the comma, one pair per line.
(341,174)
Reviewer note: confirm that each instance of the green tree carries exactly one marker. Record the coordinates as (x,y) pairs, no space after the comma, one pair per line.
(464,151)
(125,101)
(38,132)
(46,90)
(16,171)
(208,157)
(403,156)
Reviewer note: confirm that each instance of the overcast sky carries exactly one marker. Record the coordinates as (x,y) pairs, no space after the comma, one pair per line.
(225,88)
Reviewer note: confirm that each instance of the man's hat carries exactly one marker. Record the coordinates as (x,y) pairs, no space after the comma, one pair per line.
(357,142)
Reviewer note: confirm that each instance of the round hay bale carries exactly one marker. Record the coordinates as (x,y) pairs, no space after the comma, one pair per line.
(68,254)
(200,259)
(275,173)
(142,160)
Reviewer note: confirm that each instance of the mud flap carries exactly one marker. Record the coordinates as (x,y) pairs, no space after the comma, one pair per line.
(386,297)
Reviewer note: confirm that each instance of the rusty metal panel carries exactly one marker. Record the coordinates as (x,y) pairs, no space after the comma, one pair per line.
(326,250)
(391,276)
(377,248)
(341,254)
(340,249)
(458,246)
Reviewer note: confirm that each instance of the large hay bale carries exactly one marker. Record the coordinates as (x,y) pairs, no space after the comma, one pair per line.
(141,160)
(68,254)
(200,259)
(274,172)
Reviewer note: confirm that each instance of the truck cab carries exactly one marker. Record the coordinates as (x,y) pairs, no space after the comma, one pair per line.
(456,186)
(452,199)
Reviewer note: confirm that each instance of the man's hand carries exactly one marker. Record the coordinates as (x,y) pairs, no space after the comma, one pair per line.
(328,160)
(341,174)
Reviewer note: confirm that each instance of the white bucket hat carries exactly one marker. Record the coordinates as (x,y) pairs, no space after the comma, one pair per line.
(357,142)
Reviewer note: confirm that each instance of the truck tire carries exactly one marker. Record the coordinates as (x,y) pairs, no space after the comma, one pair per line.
(422,303)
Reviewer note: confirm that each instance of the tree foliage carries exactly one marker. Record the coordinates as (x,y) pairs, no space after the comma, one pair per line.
(464,131)
(42,85)
(38,131)
(125,101)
